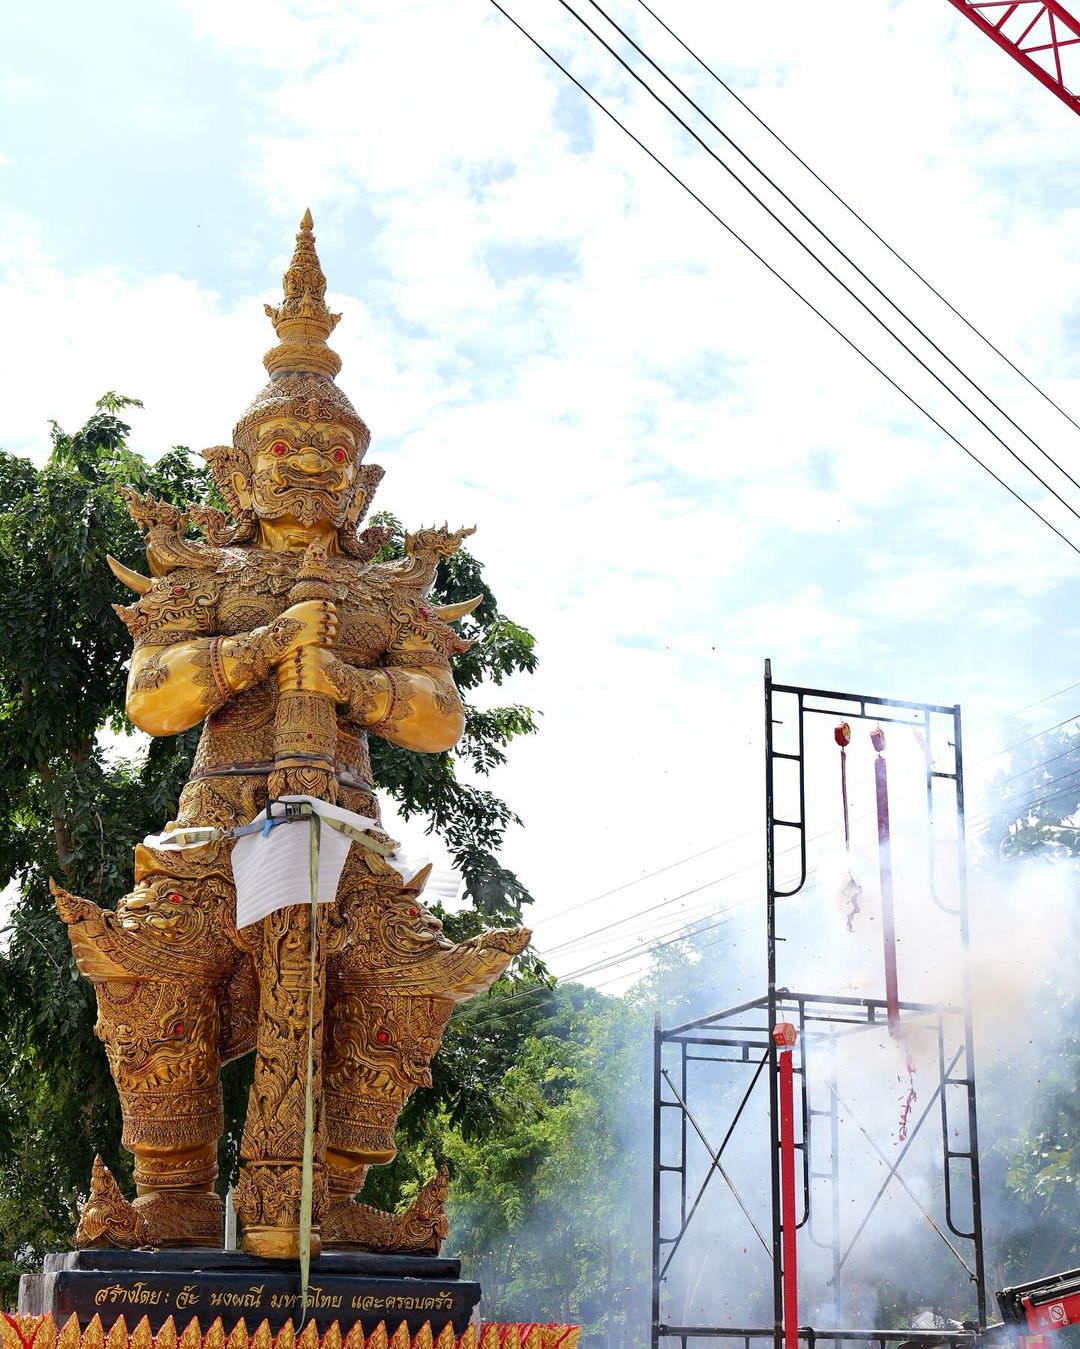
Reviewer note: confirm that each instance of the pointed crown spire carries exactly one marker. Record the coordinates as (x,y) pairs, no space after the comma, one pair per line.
(302,321)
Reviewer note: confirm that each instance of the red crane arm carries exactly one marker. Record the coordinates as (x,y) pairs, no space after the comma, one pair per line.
(1037,33)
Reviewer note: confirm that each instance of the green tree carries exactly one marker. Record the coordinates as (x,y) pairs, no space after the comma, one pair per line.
(74,800)
(1033,802)
(1035,1162)
(548,1206)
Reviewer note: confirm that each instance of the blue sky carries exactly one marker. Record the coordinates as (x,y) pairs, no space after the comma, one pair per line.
(676,470)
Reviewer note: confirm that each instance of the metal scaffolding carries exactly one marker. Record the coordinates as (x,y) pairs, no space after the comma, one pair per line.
(742,1039)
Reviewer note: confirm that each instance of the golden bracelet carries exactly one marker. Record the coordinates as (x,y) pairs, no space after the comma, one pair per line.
(217,669)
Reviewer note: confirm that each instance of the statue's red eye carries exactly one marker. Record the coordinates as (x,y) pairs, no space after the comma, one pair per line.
(279,447)
(340,455)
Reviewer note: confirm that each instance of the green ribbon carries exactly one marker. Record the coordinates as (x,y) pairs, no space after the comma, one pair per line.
(308,1167)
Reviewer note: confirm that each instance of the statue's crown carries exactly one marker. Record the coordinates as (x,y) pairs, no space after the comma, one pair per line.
(302,367)
(301,388)
(302,321)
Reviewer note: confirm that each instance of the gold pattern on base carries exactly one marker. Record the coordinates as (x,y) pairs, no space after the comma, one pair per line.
(40,1332)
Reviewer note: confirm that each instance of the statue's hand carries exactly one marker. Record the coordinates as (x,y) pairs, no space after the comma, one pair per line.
(315,670)
(363,694)
(309,624)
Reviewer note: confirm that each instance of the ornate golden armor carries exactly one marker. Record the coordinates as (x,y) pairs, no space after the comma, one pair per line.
(277,631)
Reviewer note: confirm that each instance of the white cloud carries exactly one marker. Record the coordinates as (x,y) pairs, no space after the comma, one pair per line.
(675,468)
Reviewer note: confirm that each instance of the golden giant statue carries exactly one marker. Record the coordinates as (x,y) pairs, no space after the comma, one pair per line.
(280,635)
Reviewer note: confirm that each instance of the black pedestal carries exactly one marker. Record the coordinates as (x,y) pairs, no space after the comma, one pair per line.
(185,1283)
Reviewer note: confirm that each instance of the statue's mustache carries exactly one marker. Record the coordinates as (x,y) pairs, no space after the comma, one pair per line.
(281,476)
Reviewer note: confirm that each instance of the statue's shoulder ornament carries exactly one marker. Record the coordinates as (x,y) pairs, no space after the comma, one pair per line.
(405,583)
(424,550)
(180,596)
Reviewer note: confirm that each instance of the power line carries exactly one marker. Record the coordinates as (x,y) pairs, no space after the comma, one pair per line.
(670,866)
(674,935)
(1040,801)
(683,933)
(783,280)
(1026,797)
(1028,739)
(1003,782)
(1049,698)
(862,221)
(649,875)
(689,930)
(620,922)
(819,260)
(974,822)
(1024,802)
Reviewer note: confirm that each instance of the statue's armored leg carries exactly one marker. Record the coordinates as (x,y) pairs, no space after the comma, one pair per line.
(268,1191)
(380,1049)
(162,1037)
(389,998)
(162,1041)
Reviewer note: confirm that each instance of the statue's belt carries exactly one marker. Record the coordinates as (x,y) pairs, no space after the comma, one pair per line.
(263,768)
(197,836)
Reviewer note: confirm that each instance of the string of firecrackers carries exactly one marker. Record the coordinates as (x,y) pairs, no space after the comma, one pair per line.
(39,1332)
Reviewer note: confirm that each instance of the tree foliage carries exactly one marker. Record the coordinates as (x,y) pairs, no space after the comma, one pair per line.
(1032,808)
(75,797)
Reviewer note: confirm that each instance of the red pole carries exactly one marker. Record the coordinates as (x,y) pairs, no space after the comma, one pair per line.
(785,1034)
(888,920)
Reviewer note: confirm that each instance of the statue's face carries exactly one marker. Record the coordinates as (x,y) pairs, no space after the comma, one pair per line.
(304,471)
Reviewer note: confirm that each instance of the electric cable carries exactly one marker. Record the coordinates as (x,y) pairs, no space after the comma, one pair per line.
(670,866)
(494,1006)
(475,1010)
(852,211)
(1048,699)
(784,281)
(669,939)
(627,918)
(1028,798)
(1023,803)
(1036,802)
(688,927)
(973,823)
(1003,782)
(819,260)
(1028,739)
(687,930)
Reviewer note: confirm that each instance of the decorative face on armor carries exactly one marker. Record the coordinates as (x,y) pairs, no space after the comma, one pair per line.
(304,471)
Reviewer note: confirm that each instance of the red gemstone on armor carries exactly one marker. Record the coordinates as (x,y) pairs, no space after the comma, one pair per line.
(383,1036)
(309,736)
(178,590)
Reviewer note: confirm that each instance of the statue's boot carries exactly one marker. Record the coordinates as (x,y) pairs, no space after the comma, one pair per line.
(156,1218)
(163,1011)
(420,1230)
